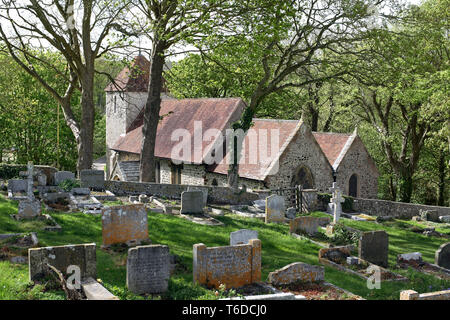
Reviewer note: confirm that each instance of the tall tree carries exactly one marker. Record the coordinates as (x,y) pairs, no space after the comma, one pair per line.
(404,87)
(289,39)
(80,31)
(168,23)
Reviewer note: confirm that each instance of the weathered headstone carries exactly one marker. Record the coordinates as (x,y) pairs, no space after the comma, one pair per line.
(205,193)
(445,219)
(94,179)
(242,236)
(192,202)
(307,224)
(82,256)
(442,256)
(124,224)
(233,266)
(29,208)
(60,176)
(80,191)
(148,269)
(336,200)
(297,271)
(374,247)
(429,215)
(17,185)
(275,208)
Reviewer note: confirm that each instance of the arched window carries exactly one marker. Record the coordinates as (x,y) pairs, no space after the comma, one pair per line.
(303,177)
(353,186)
(214,182)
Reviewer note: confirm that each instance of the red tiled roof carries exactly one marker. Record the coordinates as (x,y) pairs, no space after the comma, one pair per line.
(251,165)
(133,78)
(331,144)
(182,114)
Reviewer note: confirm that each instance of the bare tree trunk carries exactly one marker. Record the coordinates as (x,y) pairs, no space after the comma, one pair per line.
(85,142)
(151,113)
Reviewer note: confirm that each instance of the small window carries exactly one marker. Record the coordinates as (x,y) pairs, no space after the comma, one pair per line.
(115,104)
(214,182)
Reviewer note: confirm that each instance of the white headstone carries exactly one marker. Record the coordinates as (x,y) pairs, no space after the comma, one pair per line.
(336,200)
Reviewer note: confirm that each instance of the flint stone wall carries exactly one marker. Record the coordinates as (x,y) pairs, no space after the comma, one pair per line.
(217,195)
(395,209)
(234,266)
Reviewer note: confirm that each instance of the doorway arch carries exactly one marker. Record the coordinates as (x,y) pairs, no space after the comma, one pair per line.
(353,186)
(303,177)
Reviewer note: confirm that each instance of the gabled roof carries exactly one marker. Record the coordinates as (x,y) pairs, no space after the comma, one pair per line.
(334,145)
(251,165)
(186,114)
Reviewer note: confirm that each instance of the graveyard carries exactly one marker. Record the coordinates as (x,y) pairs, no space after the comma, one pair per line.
(157,247)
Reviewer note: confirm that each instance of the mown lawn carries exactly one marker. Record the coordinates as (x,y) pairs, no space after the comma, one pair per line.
(278,250)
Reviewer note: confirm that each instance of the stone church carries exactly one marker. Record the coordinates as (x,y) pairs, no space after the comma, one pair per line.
(291,154)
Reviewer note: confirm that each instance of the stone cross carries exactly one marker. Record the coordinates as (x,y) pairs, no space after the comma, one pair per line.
(29,174)
(336,200)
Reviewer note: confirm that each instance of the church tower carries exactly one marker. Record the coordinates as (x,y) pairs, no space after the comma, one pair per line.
(125,98)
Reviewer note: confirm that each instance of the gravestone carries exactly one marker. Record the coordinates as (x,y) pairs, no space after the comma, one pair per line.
(81,255)
(192,202)
(307,224)
(275,209)
(297,271)
(124,224)
(29,208)
(442,257)
(374,247)
(205,193)
(336,200)
(429,215)
(17,185)
(242,236)
(94,179)
(60,176)
(148,269)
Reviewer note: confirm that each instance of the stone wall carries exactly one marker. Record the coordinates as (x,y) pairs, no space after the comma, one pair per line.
(358,161)
(395,209)
(193,174)
(218,195)
(234,266)
(222,180)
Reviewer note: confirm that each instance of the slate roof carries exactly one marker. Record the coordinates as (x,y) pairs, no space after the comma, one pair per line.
(252,166)
(186,114)
(334,145)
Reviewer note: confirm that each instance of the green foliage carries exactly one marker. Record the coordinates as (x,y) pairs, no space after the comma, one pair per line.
(325,198)
(69,184)
(11,171)
(343,236)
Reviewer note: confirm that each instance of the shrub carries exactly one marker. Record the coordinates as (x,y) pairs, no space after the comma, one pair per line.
(69,184)
(11,171)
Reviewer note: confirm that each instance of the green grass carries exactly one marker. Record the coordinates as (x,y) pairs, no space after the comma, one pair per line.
(278,250)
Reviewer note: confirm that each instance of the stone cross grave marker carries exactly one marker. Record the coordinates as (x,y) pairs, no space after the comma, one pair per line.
(336,200)
(148,269)
(30,207)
